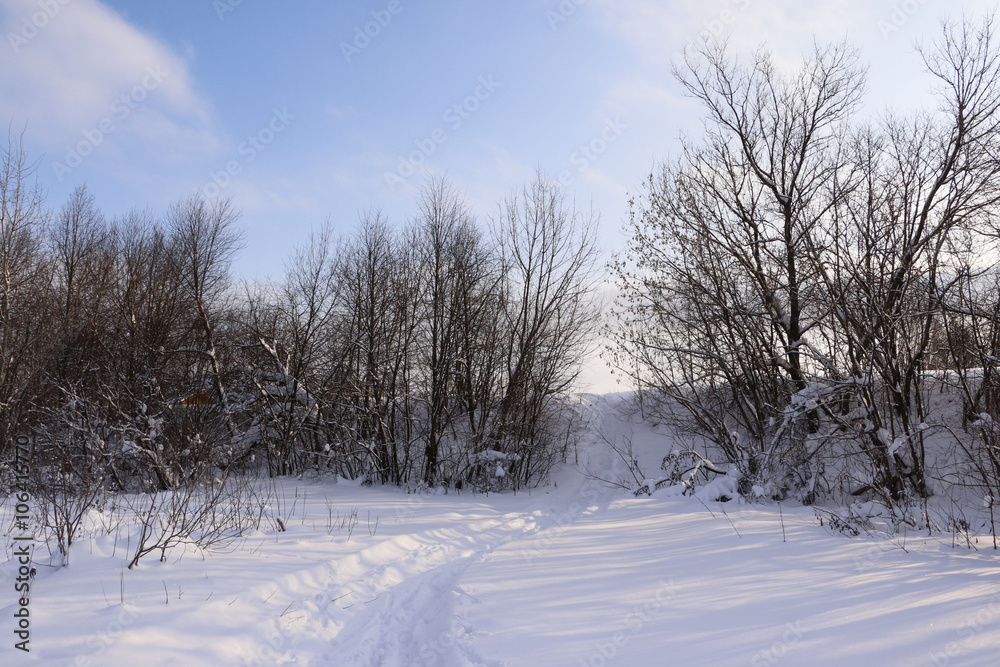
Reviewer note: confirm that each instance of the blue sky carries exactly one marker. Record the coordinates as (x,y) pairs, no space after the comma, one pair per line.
(297,114)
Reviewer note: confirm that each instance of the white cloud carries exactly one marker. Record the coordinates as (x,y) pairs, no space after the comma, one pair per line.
(70,65)
(659,31)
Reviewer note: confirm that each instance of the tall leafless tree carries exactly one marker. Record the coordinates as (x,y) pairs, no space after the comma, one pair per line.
(25,310)
(547,249)
(207,241)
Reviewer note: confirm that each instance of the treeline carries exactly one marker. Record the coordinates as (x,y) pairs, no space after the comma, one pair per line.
(803,284)
(439,352)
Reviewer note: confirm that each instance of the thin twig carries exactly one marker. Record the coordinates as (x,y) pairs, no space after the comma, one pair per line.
(782,518)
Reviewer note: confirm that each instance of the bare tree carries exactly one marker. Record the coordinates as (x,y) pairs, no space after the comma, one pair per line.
(889,262)
(294,329)
(378,328)
(444,231)
(24,297)
(787,278)
(547,252)
(83,270)
(207,239)
(719,294)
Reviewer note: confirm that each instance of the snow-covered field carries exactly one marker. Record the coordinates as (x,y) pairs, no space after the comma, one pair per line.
(577,574)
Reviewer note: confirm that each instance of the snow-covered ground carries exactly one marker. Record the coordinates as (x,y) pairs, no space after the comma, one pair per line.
(576,574)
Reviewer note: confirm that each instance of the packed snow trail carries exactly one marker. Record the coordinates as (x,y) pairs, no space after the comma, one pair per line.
(403,616)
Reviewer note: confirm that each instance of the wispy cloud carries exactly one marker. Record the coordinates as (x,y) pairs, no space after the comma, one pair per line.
(658,31)
(70,65)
